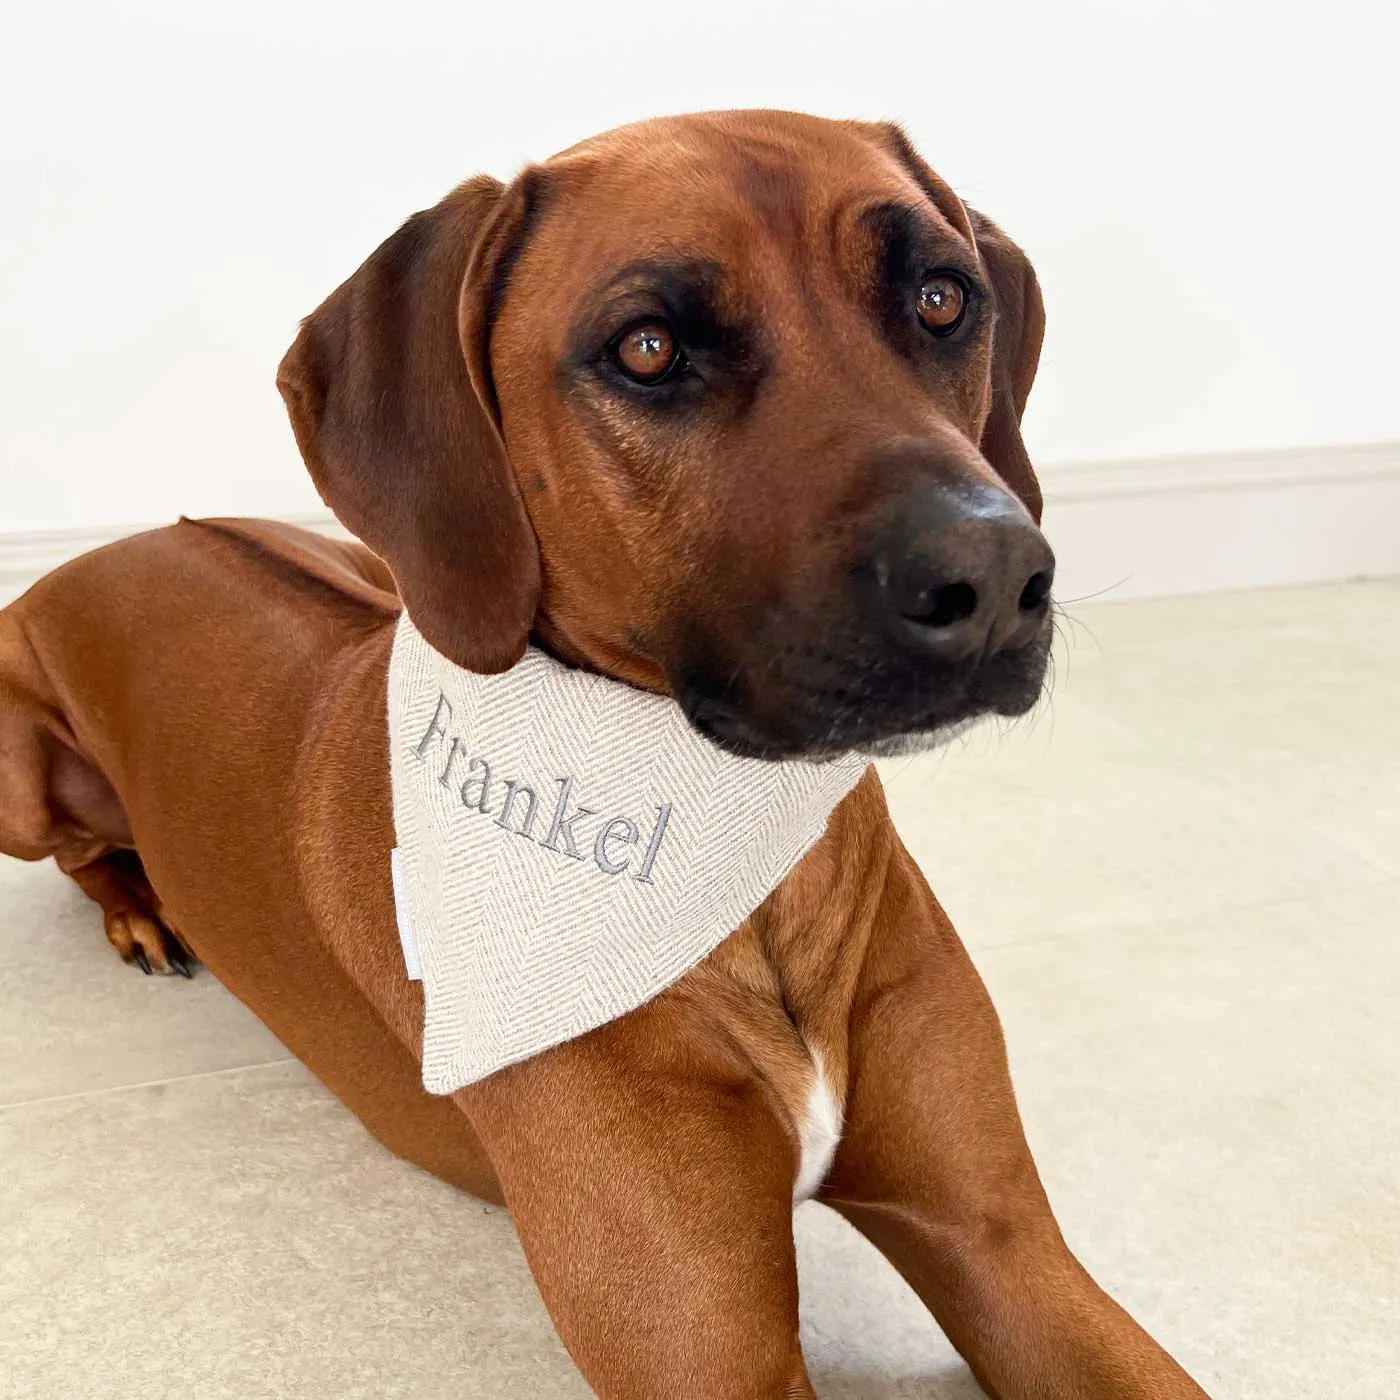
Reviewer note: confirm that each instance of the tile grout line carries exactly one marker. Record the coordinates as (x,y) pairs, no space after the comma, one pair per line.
(146,1084)
(1139,925)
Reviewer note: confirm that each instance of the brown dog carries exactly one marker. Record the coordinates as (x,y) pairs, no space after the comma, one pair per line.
(726,407)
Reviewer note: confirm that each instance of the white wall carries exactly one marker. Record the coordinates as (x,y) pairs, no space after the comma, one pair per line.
(1208,191)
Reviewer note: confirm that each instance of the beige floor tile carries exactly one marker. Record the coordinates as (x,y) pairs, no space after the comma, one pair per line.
(1073,842)
(865,1335)
(1195,753)
(1213,1105)
(1299,717)
(1276,693)
(74,1017)
(239,1236)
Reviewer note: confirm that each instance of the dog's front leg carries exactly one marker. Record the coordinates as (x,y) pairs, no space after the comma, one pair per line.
(935,1170)
(651,1184)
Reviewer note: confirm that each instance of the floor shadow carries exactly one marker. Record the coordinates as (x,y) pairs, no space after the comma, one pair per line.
(834,1381)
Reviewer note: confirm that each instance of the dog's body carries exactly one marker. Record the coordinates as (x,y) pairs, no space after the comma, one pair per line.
(192,723)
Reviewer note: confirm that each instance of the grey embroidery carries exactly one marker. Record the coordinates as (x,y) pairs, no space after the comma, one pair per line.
(615,831)
(621,829)
(513,790)
(663,816)
(564,826)
(446,777)
(483,801)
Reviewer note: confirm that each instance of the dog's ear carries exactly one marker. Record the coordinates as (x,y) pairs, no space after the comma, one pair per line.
(390,394)
(1020,328)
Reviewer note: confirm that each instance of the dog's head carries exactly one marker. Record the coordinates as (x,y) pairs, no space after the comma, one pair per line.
(724,405)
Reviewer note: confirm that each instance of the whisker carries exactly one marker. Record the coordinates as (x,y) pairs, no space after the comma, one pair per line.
(1088,597)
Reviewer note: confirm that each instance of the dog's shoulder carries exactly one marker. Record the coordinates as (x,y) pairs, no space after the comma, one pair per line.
(306,560)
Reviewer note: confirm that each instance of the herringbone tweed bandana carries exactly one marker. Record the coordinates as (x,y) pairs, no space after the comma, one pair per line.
(570,846)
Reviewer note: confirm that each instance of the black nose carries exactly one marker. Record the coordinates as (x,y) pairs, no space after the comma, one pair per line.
(964,572)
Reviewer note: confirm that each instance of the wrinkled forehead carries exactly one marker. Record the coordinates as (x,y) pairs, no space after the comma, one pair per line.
(732,190)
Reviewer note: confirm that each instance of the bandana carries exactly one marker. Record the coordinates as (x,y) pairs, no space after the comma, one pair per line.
(568,847)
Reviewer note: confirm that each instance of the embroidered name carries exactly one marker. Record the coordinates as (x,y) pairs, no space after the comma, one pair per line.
(613,843)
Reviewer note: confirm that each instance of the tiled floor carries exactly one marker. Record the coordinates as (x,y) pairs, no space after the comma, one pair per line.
(1181,883)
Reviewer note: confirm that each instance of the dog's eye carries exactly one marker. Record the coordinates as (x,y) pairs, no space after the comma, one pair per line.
(647,353)
(942,303)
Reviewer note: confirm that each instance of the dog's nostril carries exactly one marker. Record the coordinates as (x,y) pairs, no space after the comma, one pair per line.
(1036,592)
(953,602)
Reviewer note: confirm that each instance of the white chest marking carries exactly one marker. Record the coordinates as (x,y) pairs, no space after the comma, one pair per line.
(819,1132)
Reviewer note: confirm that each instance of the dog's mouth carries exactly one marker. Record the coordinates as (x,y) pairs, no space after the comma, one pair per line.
(731,731)
(879,711)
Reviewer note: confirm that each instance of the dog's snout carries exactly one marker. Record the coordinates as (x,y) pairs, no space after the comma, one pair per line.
(965,573)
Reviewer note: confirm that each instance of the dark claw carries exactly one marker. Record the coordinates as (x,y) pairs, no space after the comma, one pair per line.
(177,960)
(142,961)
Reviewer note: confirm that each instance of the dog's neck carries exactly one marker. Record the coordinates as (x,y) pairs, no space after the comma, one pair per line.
(604,656)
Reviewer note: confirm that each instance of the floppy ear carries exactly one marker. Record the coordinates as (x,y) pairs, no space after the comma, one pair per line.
(389,390)
(1020,328)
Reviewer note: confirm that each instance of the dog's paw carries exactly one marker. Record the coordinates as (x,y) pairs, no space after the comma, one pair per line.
(143,941)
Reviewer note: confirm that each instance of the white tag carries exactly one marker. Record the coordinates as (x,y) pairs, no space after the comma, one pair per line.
(404,917)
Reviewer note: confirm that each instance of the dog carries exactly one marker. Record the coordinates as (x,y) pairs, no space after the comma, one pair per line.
(725,407)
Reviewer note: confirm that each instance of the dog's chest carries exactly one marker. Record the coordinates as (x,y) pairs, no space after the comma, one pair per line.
(819,1133)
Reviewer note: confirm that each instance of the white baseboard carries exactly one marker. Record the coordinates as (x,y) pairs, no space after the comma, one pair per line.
(1130,529)
(1161,526)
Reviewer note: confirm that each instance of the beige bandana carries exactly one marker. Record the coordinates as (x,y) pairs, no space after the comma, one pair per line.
(569,846)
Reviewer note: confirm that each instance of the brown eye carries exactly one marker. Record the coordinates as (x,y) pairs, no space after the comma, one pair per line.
(647,353)
(942,304)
